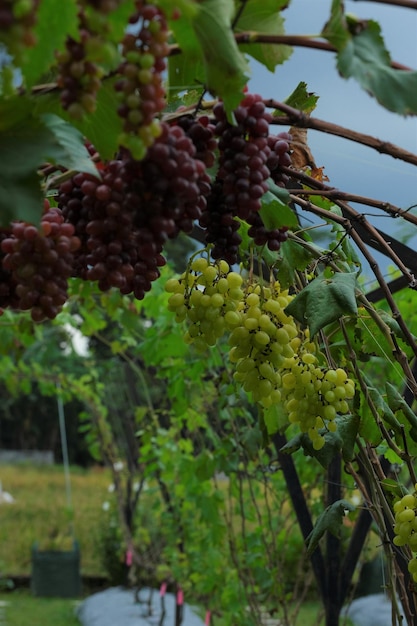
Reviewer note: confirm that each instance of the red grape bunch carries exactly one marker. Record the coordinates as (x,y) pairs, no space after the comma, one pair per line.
(140,89)
(17,22)
(79,77)
(40,262)
(124,220)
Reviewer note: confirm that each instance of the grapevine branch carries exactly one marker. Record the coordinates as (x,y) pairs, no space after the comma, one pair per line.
(303,41)
(295,117)
(407,4)
(373,237)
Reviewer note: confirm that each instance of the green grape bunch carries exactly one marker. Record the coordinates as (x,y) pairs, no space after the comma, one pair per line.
(273,358)
(203,296)
(405,527)
(260,340)
(313,395)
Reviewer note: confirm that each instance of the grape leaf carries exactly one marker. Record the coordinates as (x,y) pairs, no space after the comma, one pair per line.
(67,147)
(276,214)
(325,300)
(361,54)
(53,26)
(293,257)
(399,406)
(20,198)
(39,140)
(185,72)
(275,418)
(227,71)
(264,17)
(329,521)
(102,127)
(14,110)
(300,99)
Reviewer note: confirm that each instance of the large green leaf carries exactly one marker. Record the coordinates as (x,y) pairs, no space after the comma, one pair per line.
(264,17)
(227,71)
(67,145)
(102,127)
(53,25)
(185,72)
(39,139)
(325,300)
(329,521)
(361,54)
(276,214)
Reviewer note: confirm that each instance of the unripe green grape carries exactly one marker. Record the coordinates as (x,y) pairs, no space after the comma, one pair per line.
(246,365)
(341,376)
(239,335)
(342,407)
(235,293)
(331,377)
(251,323)
(267,371)
(407,516)
(210,274)
(171,285)
(399,541)
(252,300)
(404,530)
(350,389)
(217,300)
(281,336)
(199,265)
(261,339)
(176,300)
(272,306)
(289,381)
(222,285)
(330,396)
(409,501)
(319,442)
(252,381)
(235,280)
(263,389)
(329,412)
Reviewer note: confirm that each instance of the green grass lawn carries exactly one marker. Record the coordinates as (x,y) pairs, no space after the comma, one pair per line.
(22,609)
(40,511)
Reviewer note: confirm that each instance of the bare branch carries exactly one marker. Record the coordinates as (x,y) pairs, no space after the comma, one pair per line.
(407,4)
(294,117)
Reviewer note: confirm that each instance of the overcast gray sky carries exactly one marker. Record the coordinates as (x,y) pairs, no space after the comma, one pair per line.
(349,166)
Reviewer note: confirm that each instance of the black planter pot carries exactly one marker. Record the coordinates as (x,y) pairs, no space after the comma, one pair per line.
(56,573)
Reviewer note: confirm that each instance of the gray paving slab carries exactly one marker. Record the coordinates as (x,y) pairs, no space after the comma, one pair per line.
(117,607)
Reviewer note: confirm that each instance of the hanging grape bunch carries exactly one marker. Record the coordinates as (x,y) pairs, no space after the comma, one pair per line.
(17,22)
(405,528)
(272,357)
(40,262)
(140,90)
